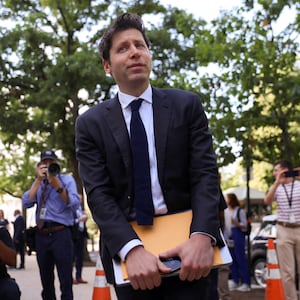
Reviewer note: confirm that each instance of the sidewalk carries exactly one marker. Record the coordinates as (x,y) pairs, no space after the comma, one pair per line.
(28,280)
(30,285)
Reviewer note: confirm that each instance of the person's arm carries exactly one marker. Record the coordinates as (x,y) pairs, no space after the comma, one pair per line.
(40,170)
(270,197)
(57,185)
(240,215)
(280,179)
(7,255)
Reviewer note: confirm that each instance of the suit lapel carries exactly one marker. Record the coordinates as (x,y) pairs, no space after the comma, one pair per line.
(116,122)
(161,119)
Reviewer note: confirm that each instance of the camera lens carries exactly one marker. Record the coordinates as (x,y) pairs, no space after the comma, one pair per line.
(53,169)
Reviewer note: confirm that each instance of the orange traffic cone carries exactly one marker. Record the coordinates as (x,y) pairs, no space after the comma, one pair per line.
(274,289)
(101,288)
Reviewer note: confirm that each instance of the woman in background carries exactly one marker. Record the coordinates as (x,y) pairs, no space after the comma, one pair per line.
(236,220)
(3,222)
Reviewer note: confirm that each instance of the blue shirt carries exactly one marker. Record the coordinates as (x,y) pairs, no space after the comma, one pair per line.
(56,209)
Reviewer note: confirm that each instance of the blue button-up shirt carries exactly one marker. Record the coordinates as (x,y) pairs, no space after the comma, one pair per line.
(56,209)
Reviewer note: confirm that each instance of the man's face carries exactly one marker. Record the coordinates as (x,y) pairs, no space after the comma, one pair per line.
(47,162)
(278,170)
(130,61)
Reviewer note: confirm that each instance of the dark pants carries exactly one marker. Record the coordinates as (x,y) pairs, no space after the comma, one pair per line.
(172,288)
(213,286)
(20,249)
(55,249)
(9,290)
(239,267)
(78,255)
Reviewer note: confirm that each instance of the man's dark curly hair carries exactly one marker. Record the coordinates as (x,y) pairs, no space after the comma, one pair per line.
(123,22)
(284,164)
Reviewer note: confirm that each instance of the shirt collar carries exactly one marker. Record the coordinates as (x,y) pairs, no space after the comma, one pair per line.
(126,99)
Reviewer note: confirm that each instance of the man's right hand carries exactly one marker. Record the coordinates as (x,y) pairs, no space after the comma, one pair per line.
(42,171)
(144,269)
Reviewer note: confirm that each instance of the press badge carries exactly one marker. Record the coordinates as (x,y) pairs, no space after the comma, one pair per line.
(43,213)
(292,218)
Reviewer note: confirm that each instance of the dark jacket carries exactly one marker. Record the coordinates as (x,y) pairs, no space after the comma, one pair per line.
(185,158)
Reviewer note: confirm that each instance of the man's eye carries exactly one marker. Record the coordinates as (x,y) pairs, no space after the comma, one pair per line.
(122,49)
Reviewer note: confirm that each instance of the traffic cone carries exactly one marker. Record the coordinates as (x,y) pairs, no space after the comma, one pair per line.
(101,288)
(274,289)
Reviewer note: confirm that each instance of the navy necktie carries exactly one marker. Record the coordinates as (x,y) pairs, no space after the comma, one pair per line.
(142,181)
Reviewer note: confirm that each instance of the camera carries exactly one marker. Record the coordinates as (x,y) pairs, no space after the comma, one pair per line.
(291,173)
(53,169)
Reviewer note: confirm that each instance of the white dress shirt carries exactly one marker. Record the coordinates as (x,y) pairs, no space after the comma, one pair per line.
(146,113)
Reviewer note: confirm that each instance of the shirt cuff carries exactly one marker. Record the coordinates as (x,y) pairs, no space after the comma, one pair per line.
(130,245)
(213,239)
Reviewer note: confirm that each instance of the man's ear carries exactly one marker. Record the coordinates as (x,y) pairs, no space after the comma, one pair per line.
(106,66)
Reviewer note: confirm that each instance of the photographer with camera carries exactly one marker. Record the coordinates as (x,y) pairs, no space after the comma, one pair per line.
(286,192)
(56,197)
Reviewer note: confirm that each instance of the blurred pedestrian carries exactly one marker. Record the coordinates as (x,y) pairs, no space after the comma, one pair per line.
(224,270)
(18,237)
(9,289)
(215,292)
(236,222)
(80,235)
(3,222)
(286,192)
(56,197)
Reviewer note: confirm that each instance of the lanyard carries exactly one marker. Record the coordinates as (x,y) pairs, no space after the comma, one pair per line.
(290,198)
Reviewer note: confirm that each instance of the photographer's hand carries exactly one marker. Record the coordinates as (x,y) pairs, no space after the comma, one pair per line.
(41,170)
(55,182)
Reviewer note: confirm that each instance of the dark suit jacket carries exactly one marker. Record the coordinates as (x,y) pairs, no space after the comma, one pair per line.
(19,228)
(186,166)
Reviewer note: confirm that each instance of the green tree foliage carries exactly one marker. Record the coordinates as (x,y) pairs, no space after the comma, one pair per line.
(49,54)
(256,94)
(245,73)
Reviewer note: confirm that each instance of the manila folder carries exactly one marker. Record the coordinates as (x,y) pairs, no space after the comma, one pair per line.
(167,232)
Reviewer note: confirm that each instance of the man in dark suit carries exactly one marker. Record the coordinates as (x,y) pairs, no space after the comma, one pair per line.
(183,171)
(18,237)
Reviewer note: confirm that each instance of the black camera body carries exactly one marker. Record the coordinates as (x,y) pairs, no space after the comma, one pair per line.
(291,173)
(53,169)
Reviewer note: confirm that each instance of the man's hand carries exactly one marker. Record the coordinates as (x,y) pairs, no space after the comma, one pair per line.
(42,171)
(280,176)
(144,269)
(196,257)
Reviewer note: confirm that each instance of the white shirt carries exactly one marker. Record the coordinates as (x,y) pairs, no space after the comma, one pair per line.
(146,113)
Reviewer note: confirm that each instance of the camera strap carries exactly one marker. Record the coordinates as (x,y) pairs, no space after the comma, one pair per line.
(42,204)
(289,197)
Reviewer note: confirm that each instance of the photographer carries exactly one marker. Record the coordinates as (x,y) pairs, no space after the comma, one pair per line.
(286,192)
(56,198)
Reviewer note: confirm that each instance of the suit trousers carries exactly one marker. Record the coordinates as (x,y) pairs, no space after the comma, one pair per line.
(288,251)
(9,289)
(172,288)
(55,249)
(78,254)
(223,288)
(20,248)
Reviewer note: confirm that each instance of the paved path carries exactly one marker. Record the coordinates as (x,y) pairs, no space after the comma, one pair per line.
(30,285)
(29,282)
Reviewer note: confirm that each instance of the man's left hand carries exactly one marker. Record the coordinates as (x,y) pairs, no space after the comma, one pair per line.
(196,257)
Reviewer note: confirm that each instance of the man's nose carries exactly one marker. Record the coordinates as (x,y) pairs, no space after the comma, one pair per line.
(134,51)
